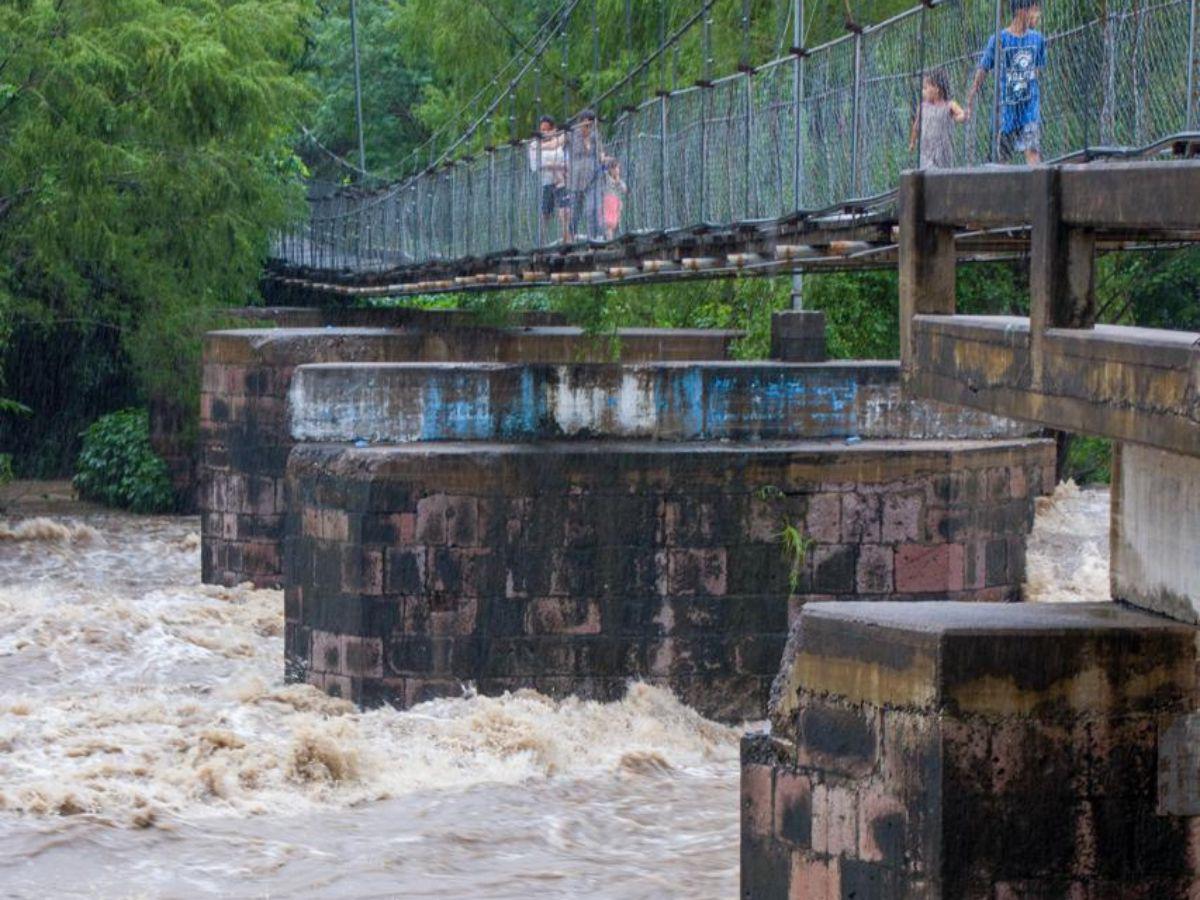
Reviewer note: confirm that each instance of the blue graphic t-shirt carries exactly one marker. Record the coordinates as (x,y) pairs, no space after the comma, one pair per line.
(1024,55)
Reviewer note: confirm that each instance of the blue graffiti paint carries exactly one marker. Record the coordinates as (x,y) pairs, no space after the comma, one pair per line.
(774,404)
(463,414)
(679,402)
(521,417)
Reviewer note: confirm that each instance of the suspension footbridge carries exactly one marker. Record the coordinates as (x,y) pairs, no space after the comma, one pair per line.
(788,165)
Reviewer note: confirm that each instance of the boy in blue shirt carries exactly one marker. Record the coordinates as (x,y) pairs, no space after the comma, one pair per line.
(1023,56)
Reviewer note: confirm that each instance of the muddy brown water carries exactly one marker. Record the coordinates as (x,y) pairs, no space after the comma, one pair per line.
(149,748)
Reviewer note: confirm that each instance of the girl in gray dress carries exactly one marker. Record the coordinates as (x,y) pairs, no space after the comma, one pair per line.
(935,123)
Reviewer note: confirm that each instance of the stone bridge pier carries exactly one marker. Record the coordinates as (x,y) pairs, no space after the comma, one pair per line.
(570,527)
(245,435)
(1012,751)
(449,505)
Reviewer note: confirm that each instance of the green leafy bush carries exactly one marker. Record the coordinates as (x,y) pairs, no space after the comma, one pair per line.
(118,467)
(1088,460)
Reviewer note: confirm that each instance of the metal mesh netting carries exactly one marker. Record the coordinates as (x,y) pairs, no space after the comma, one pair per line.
(799,134)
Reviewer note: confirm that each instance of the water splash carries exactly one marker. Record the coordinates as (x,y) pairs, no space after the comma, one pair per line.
(139,707)
(1067,559)
(145,727)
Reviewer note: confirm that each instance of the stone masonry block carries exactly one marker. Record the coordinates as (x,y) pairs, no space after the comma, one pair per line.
(955,747)
(431,519)
(874,573)
(757,800)
(902,517)
(793,808)
(823,522)
(814,878)
(835,820)
(922,568)
(834,568)
(860,518)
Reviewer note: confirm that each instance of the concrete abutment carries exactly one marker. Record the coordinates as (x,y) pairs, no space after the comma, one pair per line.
(991,751)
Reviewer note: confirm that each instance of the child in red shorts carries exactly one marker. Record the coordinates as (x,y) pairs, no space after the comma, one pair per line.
(614,190)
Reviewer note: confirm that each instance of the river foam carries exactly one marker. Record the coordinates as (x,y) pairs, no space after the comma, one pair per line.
(137,707)
(150,748)
(1067,559)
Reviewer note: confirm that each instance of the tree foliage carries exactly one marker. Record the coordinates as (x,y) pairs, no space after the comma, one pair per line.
(144,164)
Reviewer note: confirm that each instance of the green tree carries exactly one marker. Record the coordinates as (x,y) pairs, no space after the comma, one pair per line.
(144,163)
(392,84)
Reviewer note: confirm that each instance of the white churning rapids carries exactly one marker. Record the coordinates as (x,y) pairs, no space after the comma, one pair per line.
(149,747)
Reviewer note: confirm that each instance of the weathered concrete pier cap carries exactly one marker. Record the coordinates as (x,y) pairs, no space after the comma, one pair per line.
(954,750)
(245,435)
(571,527)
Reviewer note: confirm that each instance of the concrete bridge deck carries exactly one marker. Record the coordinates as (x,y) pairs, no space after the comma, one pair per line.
(1058,367)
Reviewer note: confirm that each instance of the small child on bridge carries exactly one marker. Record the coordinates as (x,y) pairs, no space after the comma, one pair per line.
(935,122)
(614,191)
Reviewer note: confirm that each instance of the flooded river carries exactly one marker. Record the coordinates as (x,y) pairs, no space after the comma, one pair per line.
(149,748)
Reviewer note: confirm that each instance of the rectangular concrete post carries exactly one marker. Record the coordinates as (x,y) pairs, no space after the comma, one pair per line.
(1061,269)
(926,265)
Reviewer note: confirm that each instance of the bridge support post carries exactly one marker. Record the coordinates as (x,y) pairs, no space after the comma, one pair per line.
(798,335)
(1061,292)
(927,264)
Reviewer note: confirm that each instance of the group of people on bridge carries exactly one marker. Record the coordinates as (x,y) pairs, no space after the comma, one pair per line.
(582,189)
(581,183)
(1020,50)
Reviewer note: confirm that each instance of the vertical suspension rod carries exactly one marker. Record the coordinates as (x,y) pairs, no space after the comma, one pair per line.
(747,167)
(798,103)
(920,118)
(855,109)
(358,112)
(998,58)
(748,72)
(662,155)
(513,145)
(705,85)
(1192,62)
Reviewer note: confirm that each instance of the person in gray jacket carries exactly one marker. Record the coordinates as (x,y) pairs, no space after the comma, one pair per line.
(585,177)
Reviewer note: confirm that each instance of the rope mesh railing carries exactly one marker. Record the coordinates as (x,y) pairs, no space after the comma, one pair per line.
(807,132)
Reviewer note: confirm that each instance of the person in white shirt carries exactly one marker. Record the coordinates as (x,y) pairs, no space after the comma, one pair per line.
(547,155)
